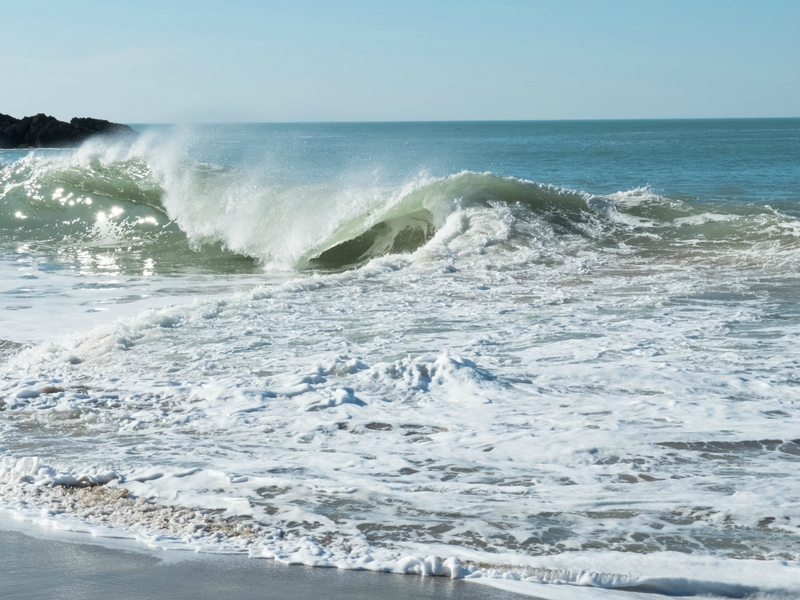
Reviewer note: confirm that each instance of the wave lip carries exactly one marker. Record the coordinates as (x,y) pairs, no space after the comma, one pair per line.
(411,218)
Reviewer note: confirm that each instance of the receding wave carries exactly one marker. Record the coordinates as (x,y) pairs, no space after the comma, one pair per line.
(157,201)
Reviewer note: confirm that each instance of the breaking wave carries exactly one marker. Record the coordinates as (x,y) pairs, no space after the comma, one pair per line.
(151,197)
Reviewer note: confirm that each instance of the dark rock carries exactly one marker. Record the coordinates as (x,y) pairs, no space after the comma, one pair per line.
(6,123)
(99,126)
(44,131)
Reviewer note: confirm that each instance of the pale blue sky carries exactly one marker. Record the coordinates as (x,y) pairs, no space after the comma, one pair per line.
(352,60)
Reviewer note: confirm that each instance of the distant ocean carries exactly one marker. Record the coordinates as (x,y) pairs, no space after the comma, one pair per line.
(546,351)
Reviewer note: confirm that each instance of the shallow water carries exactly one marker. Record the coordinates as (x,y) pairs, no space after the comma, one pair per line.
(46,568)
(548,348)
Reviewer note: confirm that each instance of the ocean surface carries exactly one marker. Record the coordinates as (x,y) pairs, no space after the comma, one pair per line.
(550,352)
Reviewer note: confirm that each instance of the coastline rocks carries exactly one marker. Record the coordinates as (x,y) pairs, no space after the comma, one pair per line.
(44,131)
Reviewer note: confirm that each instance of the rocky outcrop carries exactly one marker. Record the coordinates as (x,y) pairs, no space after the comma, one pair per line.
(44,131)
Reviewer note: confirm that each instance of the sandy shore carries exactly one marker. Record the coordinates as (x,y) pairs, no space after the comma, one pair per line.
(46,567)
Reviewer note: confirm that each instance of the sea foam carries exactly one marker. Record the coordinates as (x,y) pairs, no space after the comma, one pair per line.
(466,375)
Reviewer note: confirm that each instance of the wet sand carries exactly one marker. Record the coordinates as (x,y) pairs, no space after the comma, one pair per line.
(34,567)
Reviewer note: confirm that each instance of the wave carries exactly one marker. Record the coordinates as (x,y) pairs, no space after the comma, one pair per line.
(150,196)
(79,205)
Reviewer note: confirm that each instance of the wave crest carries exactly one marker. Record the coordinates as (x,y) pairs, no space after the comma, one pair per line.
(149,193)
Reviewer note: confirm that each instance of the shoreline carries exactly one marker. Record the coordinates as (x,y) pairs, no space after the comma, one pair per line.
(53,565)
(88,551)
(39,561)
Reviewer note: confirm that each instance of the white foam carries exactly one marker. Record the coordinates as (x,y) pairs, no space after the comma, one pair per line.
(525,393)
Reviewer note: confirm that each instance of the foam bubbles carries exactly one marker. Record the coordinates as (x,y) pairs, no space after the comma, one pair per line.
(542,385)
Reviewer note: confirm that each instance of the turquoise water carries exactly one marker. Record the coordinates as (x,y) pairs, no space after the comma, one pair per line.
(736,160)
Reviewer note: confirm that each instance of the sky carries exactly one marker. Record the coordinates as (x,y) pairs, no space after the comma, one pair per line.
(353,60)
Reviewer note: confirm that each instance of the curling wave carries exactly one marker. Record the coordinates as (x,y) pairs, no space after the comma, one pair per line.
(154,198)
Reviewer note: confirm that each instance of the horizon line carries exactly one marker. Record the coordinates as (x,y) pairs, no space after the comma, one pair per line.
(420,121)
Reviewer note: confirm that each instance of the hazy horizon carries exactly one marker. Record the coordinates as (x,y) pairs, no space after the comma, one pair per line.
(411,122)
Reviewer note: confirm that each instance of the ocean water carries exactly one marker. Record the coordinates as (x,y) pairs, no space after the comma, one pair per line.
(547,352)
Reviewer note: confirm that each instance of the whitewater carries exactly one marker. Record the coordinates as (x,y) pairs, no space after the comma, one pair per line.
(559,358)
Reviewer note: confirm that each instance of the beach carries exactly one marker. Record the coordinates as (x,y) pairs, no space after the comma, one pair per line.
(45,568)
(558,354)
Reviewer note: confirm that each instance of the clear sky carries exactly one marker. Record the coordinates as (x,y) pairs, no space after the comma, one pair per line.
(354,60)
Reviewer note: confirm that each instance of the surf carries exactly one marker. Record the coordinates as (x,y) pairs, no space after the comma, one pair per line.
(149,194)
